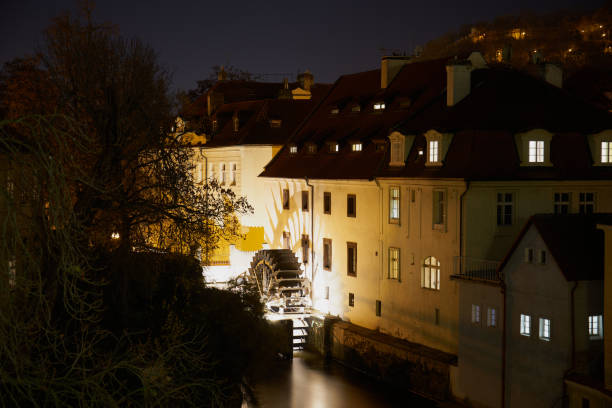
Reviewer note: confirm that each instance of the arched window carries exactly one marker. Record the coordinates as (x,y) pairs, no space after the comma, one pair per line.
(430,275)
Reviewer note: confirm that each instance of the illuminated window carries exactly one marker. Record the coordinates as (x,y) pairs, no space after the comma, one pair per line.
(327,202)
(525,328)
(285,199)
(536,151)
(351,205)
(394,263)
(434,151)
(379,106)
(327,253)
(586,203)
(351,259)
(275,123)
(356,147)
(562,203)
(293,149)
(476,314)
(334,111)
(233,174)
(595,327)
(394,204)
(304,200)
(430,276)
(356,108)
(305,247)
(505,206)
(333,147)
(491,317)
(544,329)
(439,209)
(351,300)
(606,152)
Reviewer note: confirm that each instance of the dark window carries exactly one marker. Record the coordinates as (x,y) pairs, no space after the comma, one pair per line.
(304,200)
(327,202)
(378,307)
(305,246)
(285,199)
(351,205)
(351,299)
(351,258)
(505,202)
(562,203)
(327,253)
(437,316)
(286,240)
(439,207)
(587,203)
(586,403)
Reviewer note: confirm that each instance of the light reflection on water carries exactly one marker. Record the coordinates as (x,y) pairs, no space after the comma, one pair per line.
(309,382)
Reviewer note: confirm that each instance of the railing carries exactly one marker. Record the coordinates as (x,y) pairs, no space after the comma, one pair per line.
(476,269)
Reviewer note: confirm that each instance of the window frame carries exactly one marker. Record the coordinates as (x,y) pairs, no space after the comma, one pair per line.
(544,331)
(525,325)
(491,317)
(584,202)
(327,202)
(233,171)
(476,314)
(502,206)
(427,269)
(536,149)
(327,242)
(595,327)
(305,201)
(394,263)
(351,262)
(439,209)
(562,202)
(285,197)
(351,299)
(353,213)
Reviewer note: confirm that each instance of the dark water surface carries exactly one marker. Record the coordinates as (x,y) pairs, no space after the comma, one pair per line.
(310,382)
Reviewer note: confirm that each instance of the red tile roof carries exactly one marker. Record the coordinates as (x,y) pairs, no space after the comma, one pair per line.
(501,103)
(574,242)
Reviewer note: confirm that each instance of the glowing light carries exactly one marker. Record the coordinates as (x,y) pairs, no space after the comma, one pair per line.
(115,235)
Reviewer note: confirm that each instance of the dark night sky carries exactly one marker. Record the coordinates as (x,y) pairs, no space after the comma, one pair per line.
(330,38)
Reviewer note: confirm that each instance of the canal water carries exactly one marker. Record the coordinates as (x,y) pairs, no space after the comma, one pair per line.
(308,381)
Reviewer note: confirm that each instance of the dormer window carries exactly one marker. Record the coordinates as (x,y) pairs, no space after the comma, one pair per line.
(311,148)
(601,148)
(534,147)
(400,146)
(275,123)
(437,146)
(606,152)
(379,106)
(334,110)
(293,149)
(356,147)
(536,151)
(333,147)
(356,108)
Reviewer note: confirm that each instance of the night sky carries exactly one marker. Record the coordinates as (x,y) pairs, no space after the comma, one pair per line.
(330,38)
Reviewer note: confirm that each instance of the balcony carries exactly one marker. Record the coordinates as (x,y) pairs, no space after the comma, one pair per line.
(465,267)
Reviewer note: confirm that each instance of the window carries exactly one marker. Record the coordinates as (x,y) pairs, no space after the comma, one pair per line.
(505,204)
(586,203)
(312,148)
(351,299)
(327,293)
(356,147)
(595,327)
(286,240)
(542,258)
(333,147)
(351,205)
(351,259)
(536,151)
(476,314)
(12,272)
(285,199)
(491,317)
(394,263)
(356,108)
(327,254)
(586,403)
(394,205)
(439,209)
(434,152)
(304,200)
(544,329)
(562,203)
(379,106)
(233,174)
(430,277)
(275,123)
(211,171)
(606,152)
(327,202)
(214,125)
(305,246)
(529,255)
(378,308)
(222,173)
(334,111)
(293,149)
(525,328)
(396,153)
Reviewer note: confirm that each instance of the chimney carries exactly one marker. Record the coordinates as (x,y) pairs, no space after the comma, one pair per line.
(306,80)
(389,67)
(221,75)
(553,74)
(459,77)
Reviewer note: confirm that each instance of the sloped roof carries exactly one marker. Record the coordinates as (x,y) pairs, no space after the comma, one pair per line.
(501,103)
(573,241)
(254,122)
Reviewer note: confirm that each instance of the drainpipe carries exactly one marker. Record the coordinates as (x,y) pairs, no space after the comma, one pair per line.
(461,208)
(573,326)
(380,234)
(504,328)
(311,236)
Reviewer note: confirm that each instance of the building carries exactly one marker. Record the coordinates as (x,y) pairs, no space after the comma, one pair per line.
(419,171)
